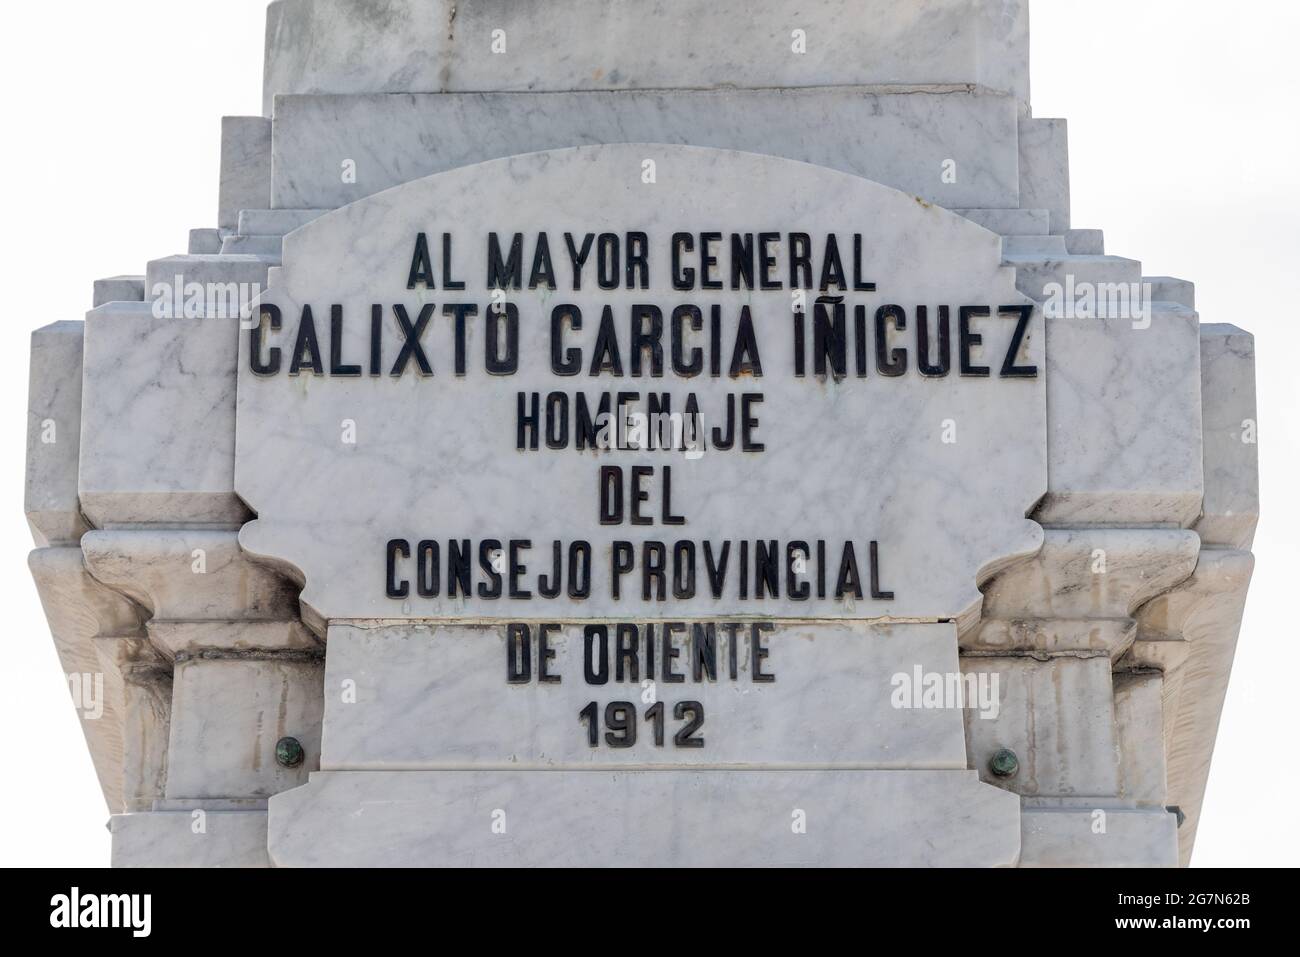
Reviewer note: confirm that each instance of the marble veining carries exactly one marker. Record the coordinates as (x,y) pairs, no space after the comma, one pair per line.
(861,458)
(902,140)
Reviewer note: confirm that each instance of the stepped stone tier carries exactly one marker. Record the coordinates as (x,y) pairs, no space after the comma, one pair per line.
(665,433)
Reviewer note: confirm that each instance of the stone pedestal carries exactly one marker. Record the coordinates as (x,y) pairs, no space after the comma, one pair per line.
(333,594)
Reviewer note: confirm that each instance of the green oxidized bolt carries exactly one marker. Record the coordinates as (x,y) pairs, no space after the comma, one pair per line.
(289,752)
(1004,764)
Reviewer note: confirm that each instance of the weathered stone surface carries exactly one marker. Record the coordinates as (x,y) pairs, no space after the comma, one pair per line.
(222,752)
(1045,169)
(1230,510)
(204,242)
(1077,595)
(900,140)
(266,246)
(1010,222)
(1124,440)
(1139,724)
(206,286)
(158,429)
(1191,633)
(945,513)
(1057,716)
(1018,248)
(194,838)
(1180,292)
(246,638)
(275,222)
(189,575)
(853,818)
(54,435)
(1081,838)
(141,681)
(82,614)
(1050,558)
(432,46)
(1092,573)
(1085,242)
(832,701)
(119,289)
(1039,273)
(245,167)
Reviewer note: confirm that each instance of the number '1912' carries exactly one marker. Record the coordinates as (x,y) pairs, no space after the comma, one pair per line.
(621,724)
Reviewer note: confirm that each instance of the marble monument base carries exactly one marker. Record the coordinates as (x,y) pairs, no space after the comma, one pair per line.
(645,818)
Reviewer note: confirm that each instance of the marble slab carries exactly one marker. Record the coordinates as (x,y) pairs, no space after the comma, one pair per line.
(338,46)
(1010,222)
(1058,717)
(1066,837)
(1181,292)
(119,289)
(221,752)
(190,838)
(1124,439)
(54,435)
(822,695)
(1230,510)
(206,286)
(939,471)
(157,427)
(245,167)
(1139,726)
(644,819)
(275,222)
(1086,242)
(205,241)
(1045,169)
(901,140)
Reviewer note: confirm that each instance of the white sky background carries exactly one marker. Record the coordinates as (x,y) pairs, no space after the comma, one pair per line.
(1184,144)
